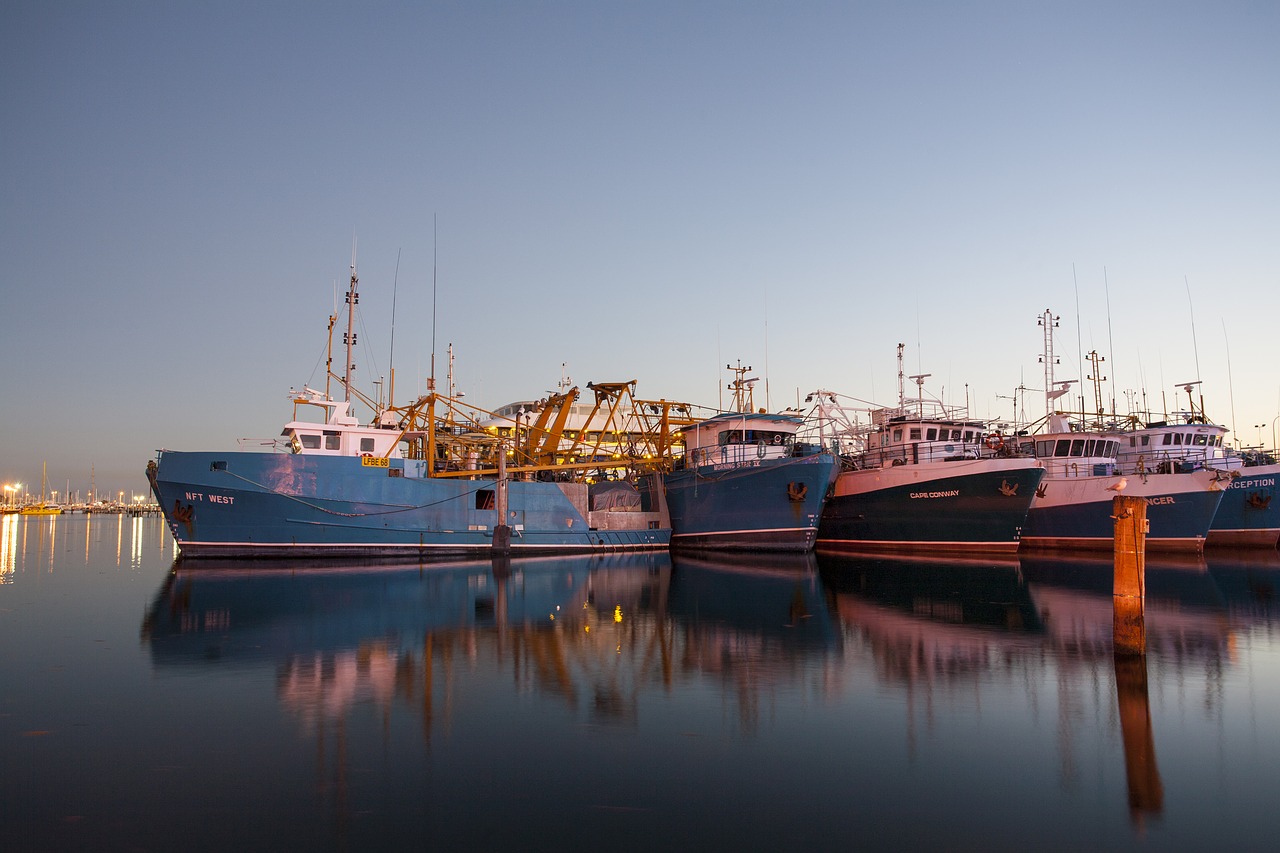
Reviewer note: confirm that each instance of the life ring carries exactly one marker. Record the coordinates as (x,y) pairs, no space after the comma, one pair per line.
(994,441)
(777,438)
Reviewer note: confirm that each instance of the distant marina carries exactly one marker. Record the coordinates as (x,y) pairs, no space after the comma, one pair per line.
(104,507)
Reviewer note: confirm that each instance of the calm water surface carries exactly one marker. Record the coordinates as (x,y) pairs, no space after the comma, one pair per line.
(635,703)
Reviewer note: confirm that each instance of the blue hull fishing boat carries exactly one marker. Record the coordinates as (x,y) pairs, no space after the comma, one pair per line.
(278,505)
(745,481)
(1248,515)
(423,481)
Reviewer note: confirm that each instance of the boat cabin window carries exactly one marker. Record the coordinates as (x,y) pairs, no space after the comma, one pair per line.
(485,499)
(754,436)
(955,435)
(1044,448)
(1168,438)
(1063,448)
(915,434)
(968,435)
(1088,447)
(897,435)
(1146,440)
(1077,447)
(332,440)
(366,445)
(1200,440)
(931,434)
(310,441)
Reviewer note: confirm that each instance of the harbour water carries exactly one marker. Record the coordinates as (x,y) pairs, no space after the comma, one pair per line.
(639,702)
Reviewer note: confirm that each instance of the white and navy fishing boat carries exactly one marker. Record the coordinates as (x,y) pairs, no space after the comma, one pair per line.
(922,477)
(746,482)
(418,481)
(1187,441)
(1086,466)
(1073,507)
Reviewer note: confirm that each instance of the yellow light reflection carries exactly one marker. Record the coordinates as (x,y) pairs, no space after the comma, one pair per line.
(8,547)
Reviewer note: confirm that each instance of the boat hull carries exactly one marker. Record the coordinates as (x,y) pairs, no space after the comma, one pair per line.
(284,505)
(1248,515)
(1076,512)
(774,505)
(940,507)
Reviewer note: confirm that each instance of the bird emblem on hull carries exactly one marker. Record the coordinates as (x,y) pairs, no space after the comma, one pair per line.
(1008,490)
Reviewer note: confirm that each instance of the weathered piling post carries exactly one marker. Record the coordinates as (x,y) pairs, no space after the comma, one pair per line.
(501,530)
(1146,793)
(1130,585)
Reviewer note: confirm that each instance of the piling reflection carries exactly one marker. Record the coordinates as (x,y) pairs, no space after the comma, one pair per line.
(1146,792)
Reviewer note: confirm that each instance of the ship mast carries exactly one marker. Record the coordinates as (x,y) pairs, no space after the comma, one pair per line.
(902,387)
(1049,322)
(1097,379)
(742,388)
(349,338)
(919,379)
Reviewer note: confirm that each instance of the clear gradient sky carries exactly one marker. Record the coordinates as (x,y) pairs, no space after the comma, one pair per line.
(638,190)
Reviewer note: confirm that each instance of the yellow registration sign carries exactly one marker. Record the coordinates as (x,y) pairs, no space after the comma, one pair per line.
(374,462)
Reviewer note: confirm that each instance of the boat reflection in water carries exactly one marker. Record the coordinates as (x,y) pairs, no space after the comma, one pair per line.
(947,628)
(635,685)
(592,630)
(758,625)
(1249,583)
(935,626)
(379,633)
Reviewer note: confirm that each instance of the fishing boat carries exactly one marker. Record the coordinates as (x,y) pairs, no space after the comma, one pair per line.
(1248,516)
(1086,467)
(421,480)
(1073,507)
(922,477)
(1187,441)
(41,508)
(746,481)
